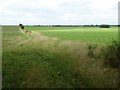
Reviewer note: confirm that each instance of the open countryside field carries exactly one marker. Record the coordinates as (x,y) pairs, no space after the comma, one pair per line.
(83,34)
(56,57)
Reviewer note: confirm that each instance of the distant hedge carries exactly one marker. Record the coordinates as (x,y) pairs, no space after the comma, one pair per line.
(104,26)
(21,26)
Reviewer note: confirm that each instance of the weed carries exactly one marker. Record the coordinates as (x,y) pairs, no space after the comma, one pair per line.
(111,55)
(91,49)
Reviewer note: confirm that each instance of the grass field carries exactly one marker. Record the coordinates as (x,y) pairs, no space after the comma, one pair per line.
(84,34)
(38,61)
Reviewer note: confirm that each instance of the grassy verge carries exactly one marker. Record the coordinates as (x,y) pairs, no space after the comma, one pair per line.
(46,63)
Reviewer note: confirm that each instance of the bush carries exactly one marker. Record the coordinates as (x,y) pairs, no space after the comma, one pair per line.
(111,54)
(21,26)
(104,26)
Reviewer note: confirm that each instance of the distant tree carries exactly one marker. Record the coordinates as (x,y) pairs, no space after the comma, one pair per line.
(104,26)
(86,25)
(20,24)
(92,25)
(96,25)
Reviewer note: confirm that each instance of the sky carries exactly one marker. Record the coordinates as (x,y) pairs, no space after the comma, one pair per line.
(58,12)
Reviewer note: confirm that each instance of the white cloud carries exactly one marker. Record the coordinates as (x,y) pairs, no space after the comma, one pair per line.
(58,11)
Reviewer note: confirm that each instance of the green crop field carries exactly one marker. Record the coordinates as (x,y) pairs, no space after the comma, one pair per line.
(56,57)
(84,34)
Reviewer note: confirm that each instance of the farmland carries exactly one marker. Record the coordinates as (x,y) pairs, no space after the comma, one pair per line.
(56,57)
(84,34)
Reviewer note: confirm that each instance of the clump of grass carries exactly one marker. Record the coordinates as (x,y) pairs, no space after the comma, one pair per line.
(111,55)
(91,49)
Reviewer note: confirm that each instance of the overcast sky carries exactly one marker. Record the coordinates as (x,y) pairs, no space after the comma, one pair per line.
(65,12)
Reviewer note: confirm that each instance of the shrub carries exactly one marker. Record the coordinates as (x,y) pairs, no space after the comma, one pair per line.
(111,54)
(104,26)
(22,27)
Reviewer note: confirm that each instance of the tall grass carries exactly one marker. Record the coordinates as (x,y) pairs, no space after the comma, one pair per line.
(44,62)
